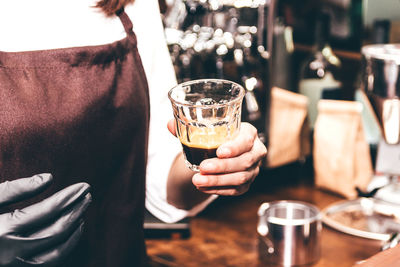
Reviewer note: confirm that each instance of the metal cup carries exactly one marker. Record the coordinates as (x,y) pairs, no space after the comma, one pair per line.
(289,233)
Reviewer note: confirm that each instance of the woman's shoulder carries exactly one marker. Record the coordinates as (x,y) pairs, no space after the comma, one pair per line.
(47,24)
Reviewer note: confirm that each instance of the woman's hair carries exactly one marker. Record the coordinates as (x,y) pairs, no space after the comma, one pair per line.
(109,7)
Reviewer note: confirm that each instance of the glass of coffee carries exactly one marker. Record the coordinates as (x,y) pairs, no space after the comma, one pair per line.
(207,113)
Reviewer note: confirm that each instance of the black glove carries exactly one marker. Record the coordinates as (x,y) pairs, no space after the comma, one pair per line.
(44,233)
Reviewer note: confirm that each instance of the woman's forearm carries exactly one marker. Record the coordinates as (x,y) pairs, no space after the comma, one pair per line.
(181,192)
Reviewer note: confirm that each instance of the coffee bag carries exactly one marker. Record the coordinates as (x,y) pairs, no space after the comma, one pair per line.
(342,159)
(288,131)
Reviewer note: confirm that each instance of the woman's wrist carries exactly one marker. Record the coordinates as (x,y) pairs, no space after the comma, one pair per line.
(181,191)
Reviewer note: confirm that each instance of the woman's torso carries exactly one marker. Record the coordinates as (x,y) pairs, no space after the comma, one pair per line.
(81,113)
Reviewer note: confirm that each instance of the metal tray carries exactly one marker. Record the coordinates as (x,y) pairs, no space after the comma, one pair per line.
(364,217)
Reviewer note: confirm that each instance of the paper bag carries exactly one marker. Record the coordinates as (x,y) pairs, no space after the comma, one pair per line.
(342,159)
(288,130)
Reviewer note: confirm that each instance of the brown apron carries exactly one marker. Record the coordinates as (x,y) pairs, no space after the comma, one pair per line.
(82,114)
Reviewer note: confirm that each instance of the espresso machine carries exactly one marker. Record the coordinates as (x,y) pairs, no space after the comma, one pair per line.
(226,39)
(381,82)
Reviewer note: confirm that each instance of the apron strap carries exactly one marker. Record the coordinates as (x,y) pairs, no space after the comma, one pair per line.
(127,23)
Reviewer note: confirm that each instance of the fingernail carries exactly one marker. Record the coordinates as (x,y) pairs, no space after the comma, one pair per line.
(207,166)
(42,178)
(88,197)
(224,151)
(82,226)
(200,180)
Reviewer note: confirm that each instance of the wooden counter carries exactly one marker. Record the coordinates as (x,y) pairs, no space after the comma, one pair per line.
(225,233)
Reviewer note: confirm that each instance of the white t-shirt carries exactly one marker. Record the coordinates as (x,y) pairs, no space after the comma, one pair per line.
(27,25)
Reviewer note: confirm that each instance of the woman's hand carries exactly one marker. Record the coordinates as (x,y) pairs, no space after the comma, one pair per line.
(236,166)
(42,234)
